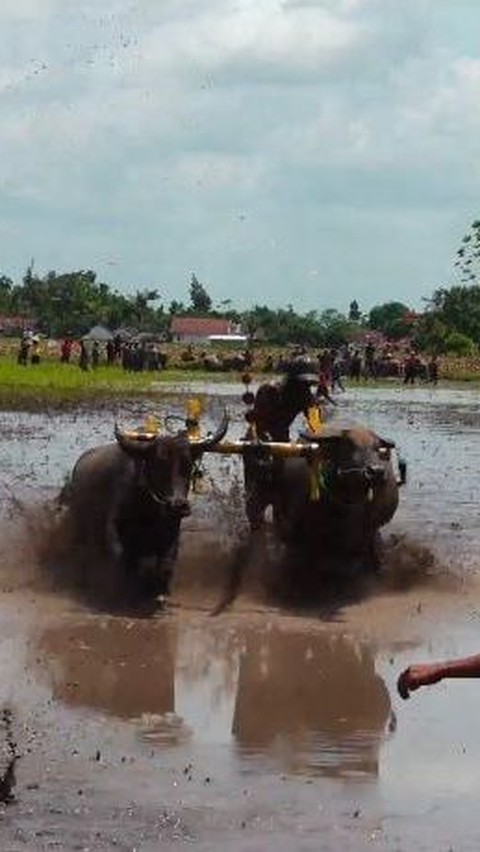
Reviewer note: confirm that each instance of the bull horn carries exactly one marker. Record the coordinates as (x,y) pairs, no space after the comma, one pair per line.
(212,439)
(135,444)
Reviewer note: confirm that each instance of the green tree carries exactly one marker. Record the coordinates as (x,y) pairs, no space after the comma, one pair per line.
(336,328)
(71,302)
(391,318)
(176,307)
(142,307)
(468,255)
(459,344)
(459,309)
(431,334)
(200,301)
(6,289)
(354,314)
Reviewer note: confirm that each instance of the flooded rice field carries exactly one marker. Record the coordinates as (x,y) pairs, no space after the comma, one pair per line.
(274,725)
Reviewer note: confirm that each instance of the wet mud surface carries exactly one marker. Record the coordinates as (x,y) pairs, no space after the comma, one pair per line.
(276,724)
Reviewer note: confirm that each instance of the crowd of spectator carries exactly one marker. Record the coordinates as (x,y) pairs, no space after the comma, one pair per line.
(333,365)
(358,363)
(132,355)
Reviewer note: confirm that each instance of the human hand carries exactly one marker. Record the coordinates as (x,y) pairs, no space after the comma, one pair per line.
(416,676)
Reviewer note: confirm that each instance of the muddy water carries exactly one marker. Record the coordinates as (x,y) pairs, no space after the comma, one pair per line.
(265,727)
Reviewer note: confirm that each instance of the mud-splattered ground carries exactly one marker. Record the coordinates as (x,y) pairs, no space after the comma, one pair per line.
(271,726)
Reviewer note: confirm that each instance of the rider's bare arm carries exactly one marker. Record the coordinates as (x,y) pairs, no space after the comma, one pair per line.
(424,674)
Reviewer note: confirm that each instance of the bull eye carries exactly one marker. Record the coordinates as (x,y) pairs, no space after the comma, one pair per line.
(248,398)
(384,453)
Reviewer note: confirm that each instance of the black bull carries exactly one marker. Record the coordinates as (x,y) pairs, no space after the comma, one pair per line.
(332,504)
(126,500)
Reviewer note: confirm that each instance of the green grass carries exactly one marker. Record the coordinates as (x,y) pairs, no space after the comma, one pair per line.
(53,383)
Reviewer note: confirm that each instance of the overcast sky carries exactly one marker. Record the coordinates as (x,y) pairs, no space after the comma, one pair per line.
(305,151)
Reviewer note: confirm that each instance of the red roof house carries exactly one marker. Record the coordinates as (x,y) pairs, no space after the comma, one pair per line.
(199,329)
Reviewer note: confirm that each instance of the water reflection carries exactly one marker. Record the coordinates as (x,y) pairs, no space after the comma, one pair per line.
(116,667)
(316,700)
(308,702)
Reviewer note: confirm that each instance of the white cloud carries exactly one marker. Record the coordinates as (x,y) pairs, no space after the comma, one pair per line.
(25,10)
(235,126)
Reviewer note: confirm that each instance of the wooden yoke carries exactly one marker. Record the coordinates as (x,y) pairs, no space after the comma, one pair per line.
(279,449)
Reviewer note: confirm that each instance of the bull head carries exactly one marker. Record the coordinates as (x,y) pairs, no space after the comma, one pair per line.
(165,463)
(352,477)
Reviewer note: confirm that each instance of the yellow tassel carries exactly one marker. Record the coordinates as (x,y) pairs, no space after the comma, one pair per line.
(194,409)
(314,418)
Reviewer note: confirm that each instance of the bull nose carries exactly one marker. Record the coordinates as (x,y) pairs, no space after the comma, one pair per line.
(376,474)
(180,506)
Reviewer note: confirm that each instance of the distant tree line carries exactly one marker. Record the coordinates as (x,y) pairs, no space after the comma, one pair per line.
(451,320)
(69,303)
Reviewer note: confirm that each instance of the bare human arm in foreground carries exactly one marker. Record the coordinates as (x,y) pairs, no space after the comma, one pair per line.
(424,674)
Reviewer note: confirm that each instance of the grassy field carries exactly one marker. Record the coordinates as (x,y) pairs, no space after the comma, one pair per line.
(58,384)
(55,384)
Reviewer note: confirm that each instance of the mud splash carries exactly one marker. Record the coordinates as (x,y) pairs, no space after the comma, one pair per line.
(214,571)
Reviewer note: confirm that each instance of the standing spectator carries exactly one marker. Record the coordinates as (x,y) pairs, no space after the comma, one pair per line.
(66,350)
(126,356)
(35,351)
(151,358)
(410,369)
(248,357)
(356,366)
(84,359)
(117,345)
(322,392)
(433,370)
(111,354)
(337,369)
(370,368)
(22,357)
(95,354)
(325,362)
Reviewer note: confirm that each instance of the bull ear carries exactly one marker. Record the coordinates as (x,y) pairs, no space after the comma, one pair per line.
(387,443)
(206,443)
(135,444)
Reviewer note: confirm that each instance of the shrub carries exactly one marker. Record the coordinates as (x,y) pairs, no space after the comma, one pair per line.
(459,344)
